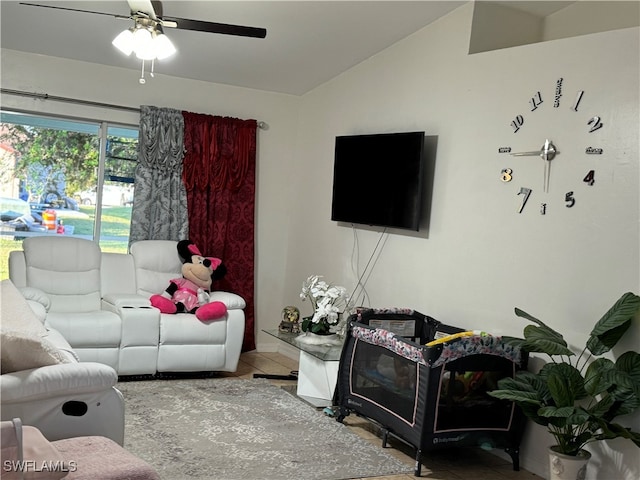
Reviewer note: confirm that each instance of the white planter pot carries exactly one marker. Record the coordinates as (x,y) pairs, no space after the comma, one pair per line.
(567,467)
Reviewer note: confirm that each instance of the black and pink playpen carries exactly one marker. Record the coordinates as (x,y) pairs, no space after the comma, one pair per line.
(428,396)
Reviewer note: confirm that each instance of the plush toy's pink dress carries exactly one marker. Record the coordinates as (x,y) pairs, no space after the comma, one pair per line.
(187,293)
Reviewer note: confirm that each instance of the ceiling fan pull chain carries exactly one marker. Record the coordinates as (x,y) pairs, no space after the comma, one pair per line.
(153,62)
(142,80)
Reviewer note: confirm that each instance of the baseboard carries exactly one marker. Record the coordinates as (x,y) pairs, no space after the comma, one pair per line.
(279,347)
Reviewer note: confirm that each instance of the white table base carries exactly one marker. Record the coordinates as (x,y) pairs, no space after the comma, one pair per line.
(317,380)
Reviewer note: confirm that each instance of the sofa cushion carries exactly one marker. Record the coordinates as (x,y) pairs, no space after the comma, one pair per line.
(16,312)
(99,329)
(67,269)
(186,329)
(23,338)
(156,263)
(20,351)
(117,274)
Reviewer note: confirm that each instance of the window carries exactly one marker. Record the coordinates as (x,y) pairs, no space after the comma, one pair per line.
(65,177)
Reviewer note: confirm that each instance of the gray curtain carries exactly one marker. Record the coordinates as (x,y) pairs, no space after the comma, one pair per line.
(160,203)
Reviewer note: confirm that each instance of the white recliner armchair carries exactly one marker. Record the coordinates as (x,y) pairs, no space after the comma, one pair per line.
(43,382)
(67,271)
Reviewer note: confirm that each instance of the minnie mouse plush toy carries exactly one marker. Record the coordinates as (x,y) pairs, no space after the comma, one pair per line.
(190,293)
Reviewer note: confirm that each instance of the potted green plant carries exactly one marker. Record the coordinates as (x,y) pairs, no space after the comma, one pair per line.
(578,397)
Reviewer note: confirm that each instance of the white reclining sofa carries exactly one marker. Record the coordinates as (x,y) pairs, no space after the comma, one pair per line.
(45,385)
(99,302)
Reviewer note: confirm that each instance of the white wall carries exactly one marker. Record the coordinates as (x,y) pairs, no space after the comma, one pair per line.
(66,78)
(588,16)
(481,258)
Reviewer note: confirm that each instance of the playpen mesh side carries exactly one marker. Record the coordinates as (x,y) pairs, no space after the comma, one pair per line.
(383,381)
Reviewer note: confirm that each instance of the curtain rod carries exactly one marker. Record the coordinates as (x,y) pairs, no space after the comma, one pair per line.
(46,96)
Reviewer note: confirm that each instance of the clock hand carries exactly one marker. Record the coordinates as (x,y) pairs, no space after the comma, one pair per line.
(548,149)
(545,150)
(548,154)
(535,153)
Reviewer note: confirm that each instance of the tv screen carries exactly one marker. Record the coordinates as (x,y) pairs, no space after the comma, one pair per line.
(377,179)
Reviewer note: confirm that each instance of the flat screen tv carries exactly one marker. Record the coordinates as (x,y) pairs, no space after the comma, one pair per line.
(377,179)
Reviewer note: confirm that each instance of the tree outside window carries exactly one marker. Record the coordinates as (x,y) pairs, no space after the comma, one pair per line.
(52,168)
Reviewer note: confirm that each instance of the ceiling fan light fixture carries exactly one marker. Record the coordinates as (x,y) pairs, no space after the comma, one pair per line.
(163,46)
(143,44)
(141,37)
(124,41)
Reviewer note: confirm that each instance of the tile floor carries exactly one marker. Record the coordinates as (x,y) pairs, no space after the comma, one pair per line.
(454,464)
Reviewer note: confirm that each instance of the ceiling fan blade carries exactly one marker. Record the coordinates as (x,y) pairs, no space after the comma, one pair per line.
(212,27)
(114,15)
(142,6)
(146,8)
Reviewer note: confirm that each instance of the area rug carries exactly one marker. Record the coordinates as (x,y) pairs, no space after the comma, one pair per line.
(228,429)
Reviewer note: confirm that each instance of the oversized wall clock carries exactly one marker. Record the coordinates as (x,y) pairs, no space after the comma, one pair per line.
(553,127)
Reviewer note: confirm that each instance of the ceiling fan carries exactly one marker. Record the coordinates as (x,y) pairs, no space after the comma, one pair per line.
(146,38)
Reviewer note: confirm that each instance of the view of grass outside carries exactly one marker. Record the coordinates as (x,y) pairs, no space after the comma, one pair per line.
(114,231)
(64,169)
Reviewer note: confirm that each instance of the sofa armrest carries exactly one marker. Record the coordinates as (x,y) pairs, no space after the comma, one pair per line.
(140,333)
(115,301)
(67,353)
(231,300)
(38,301)
(36,295)
(56,380)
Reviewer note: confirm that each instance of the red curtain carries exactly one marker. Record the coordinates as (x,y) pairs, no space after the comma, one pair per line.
(219,175)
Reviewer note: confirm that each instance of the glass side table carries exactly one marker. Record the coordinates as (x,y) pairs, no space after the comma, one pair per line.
(317,369)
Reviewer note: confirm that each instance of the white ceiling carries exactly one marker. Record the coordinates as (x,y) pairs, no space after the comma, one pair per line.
(307,43)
